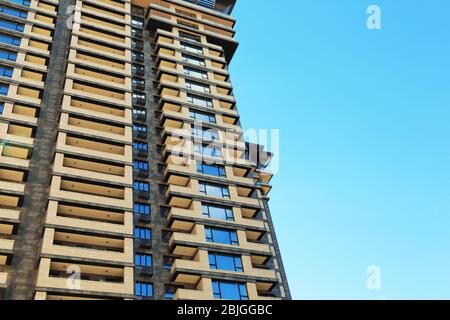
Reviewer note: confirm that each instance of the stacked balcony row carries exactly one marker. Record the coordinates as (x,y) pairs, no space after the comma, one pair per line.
(89,219)
(26,34)
(220,239)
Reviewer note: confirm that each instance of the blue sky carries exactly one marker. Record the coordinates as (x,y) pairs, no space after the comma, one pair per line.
(365,140)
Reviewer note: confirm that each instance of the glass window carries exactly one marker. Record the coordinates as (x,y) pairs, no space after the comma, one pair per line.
(141,165)
(140,146)
(199,101)
(229,290)
(202,116)
(197,86)
(143,233)
(194,60)
(217,212)
(9,40)
(167,262)
(139,128)
(137,68)
(2,106)
(7,55)
(211,170)
(139,111)
(208,151)
(143,289)
(222,236)
(141,186)
(6,72)
(11,25)
(143,260)
(13,12)
(189,36)
(205,133)
(22,2)
(137,21)
(137,95)
(136,33)
(214,190)
(191,48)
(195,73)
(142,209)
(169,295)
(218,261)
(4,89)
(138,82)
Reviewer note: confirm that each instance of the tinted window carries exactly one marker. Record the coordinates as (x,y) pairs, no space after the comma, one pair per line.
(143,260)
(140,208)
(217,212)
(144,289)
(229,290)
(221,236)
(4,90)
(143,233)
(211,170)
(7,55)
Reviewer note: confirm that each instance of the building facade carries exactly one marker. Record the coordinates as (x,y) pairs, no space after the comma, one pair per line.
(123,171)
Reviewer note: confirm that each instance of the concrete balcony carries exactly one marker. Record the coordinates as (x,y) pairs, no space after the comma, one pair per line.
(29,77)
(9,215)
(119,15)
(124,54)
(85,148)
(34,46)
(4,127)
(107,65)
(36,32)
(81,196)
(179,218)
(68,123)
(93,110)
(185,294)
(117,39)
(203,291)
(44,7)
(40,19)
(186,244)
(90,90)
(59,167)
(118,82)
(12,186)
(10,112)
(109,26)
(18,158)
(192,190)
(17,92)
(124,7)
(45,281)
(6,246)
(3,279)
(190,271)
(124,229)
(124,258)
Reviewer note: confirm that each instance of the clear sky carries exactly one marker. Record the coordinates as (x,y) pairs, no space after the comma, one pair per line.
(365,140)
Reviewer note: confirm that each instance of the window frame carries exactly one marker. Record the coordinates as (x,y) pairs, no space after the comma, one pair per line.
(209,235)
(228,214)
(241,287)
(214,262)
(139,292)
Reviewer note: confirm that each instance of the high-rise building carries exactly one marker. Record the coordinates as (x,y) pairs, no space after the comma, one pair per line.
(123,171)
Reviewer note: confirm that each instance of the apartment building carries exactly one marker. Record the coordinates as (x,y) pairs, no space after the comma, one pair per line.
(123,172)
